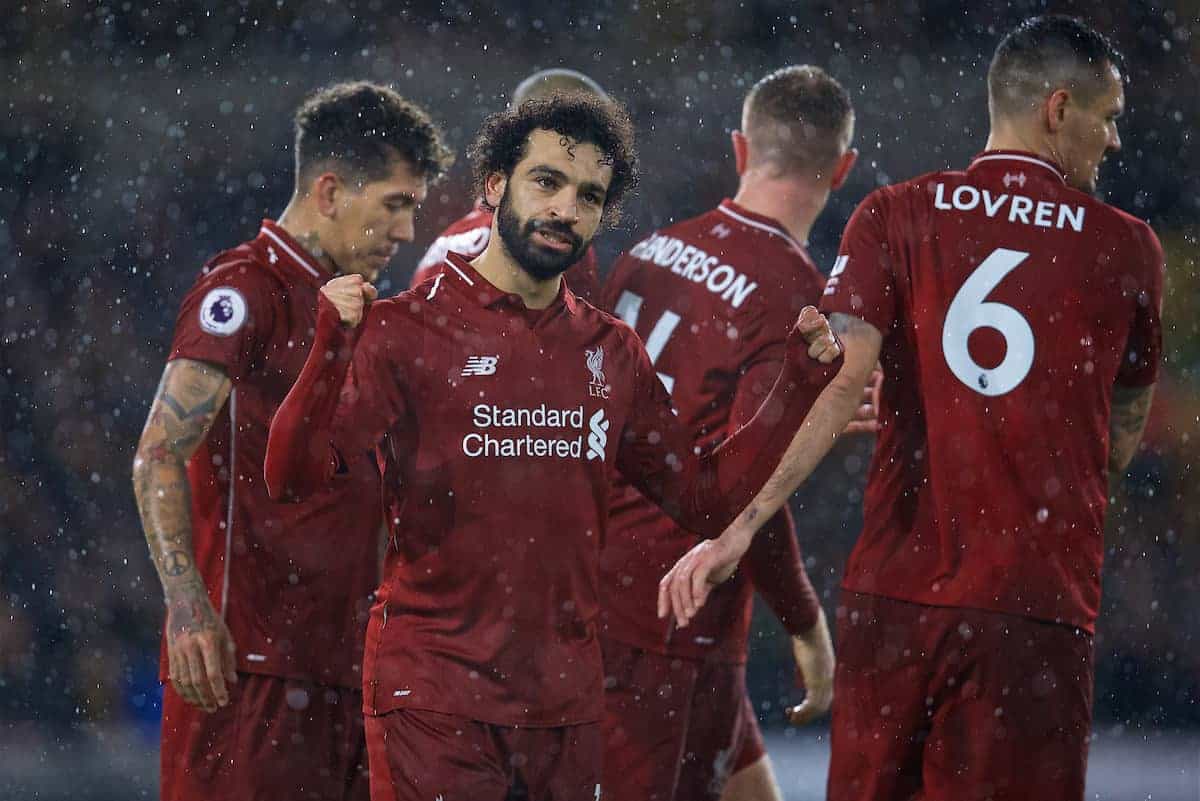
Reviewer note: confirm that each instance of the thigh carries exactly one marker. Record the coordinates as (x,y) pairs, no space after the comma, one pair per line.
(722,726)
(1014,722)
(647,704)
(557,764)
(417,755)
(753,782)
(880,715)
(277,737)
(196,748)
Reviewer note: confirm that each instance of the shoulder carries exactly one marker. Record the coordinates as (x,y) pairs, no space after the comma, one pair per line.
(606,328)
(1122,228)
(243,268)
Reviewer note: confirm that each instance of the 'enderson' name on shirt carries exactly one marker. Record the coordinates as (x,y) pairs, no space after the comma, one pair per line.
(697,266)
(1016,208)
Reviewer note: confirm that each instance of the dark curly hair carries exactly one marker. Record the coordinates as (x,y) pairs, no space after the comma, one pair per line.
(502,141)
(360,129)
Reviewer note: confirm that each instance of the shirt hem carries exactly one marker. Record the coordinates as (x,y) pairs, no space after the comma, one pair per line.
(1086,626)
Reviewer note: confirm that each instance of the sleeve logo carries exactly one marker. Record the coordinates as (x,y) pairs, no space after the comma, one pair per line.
(223,311)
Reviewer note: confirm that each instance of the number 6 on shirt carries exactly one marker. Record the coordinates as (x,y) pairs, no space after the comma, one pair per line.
(629,306)
(968,311)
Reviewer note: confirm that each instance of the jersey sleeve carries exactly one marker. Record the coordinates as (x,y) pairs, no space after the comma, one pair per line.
(705,492)
(773,561)
(775,568)
(862,282)
(343,401)
(226,318)
(1143,348)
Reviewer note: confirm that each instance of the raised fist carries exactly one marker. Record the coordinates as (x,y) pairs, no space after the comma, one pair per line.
(350,295)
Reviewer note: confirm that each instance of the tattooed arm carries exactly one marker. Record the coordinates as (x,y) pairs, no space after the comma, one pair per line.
(1130,408)
(199,648)
(685,588)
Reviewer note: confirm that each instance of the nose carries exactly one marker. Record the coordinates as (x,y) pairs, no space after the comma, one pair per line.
(1114,141)
(565,206)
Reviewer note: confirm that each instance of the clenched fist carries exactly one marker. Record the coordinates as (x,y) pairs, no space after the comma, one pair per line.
(822,344)
(350,295)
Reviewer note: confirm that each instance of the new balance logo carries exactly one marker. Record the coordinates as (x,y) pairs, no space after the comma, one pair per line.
(597,436)
(721,230)
(480,365)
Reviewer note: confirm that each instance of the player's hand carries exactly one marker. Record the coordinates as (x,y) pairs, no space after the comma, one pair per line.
(813,652)
(685,587)
(200,650)
(350,295)
(866,417)
(822,344)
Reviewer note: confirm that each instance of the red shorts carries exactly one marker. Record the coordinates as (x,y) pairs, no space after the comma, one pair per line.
(674,729)
(277,738)
(948,704)
(418,755)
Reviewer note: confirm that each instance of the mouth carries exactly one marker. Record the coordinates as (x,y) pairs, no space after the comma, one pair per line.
(558,242)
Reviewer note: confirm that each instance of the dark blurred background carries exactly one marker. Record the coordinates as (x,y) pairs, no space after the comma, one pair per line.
(140,138)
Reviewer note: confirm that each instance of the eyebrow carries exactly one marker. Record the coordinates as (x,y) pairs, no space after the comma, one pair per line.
(393,196)
(548,170)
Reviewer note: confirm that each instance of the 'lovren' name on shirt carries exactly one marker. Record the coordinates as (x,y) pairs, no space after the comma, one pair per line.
(1014,208)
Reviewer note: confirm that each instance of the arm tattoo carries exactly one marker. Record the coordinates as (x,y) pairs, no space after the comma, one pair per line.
(1130,409)
(187,402)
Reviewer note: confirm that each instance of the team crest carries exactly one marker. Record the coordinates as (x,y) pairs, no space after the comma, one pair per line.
(223,311)
(597,387)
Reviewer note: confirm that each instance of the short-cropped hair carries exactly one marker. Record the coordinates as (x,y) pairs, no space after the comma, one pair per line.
(504,139)
(557,80)
(1047,53)
(798,119)
(360,130)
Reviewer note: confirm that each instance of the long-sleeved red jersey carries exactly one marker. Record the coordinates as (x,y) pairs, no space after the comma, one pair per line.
(498,429)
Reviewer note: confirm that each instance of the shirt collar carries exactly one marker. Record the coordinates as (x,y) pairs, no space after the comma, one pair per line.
(487,294)
(1017,159)
(283,246)
(760,222)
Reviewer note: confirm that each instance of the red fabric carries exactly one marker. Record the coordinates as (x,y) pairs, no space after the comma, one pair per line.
(957,705)
(674,729)
(995,501)
(277,738)
(295,599)
(490,603)
(469,235)
(418,755)
(732,284)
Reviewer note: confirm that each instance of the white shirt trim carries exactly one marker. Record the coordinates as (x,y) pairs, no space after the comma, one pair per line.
(461,274)
(1015,157)
(303,262)
(770,229)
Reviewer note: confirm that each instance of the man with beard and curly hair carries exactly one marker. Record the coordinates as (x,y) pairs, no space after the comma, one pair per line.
(499,405)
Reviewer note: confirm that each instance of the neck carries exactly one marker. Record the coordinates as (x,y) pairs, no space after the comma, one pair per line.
(301,224)
(501,270)
(1011,137)
(793,203)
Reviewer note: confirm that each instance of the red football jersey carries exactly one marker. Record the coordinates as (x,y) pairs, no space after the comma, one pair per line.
(499,428)
(468,237)
(1010,304)
(294,599)
(713,298)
